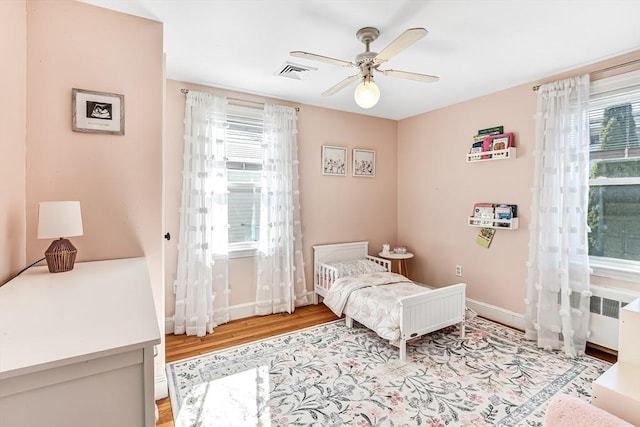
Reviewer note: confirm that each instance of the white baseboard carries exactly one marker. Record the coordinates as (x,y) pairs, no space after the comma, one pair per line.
(161,387)
(239,311)
(168,325)
(497,314)
(236,312)
(491,312)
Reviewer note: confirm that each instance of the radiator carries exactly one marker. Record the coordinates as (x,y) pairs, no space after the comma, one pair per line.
(605,313)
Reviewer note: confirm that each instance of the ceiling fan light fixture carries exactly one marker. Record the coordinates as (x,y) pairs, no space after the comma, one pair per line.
(367,94)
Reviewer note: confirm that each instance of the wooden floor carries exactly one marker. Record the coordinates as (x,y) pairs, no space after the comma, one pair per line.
(254,328)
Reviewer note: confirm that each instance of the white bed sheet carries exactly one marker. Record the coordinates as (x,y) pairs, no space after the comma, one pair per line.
(373,300)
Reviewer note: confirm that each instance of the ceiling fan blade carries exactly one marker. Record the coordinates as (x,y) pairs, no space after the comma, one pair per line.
(341,85)
(411,76)
(402,42)
(313,56)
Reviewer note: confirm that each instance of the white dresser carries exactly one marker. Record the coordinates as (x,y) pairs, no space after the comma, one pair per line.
(76,348)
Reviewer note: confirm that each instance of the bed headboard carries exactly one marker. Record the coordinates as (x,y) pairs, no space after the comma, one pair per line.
(340,252)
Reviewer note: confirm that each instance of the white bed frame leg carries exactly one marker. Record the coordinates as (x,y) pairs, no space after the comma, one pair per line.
(315,298)
(462,329)
(349,322)
(403,350)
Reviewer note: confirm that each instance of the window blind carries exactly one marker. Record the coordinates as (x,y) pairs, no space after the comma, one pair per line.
(614,117)
(244,139)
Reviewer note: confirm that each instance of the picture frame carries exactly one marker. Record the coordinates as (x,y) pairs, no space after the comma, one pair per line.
(97,112)
(334,160)
(364,163)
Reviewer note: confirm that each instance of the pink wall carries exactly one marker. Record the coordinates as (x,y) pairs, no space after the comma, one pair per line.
(117,179)
(13,118)
(333,209)
(437,190)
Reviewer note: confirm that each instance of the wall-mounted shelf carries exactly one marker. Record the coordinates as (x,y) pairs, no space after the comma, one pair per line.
(499,224)
(509,153)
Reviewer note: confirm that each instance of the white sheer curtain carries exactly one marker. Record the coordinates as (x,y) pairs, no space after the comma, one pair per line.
(557,314)
(202,287)
(281,283)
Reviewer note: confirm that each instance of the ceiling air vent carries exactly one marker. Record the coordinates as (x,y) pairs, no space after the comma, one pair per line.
(294,71)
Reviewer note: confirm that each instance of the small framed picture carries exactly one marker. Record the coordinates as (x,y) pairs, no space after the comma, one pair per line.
(97,112)
(364,162)
(334,160)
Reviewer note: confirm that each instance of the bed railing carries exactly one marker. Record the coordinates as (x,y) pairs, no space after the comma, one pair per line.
(383,262)
(326,274)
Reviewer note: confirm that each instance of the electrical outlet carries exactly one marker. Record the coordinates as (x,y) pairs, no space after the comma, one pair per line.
(459,270)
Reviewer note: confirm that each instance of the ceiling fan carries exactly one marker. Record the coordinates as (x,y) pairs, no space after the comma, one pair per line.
(367,93)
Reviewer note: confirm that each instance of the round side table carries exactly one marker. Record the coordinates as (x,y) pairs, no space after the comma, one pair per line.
(402,261)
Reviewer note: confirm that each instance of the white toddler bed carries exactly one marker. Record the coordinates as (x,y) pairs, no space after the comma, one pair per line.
(390,304)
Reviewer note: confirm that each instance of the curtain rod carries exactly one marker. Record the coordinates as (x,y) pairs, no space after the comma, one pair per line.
(186,91)
(603,70)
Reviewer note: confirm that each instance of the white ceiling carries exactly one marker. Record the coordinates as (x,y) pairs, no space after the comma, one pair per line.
(476,47)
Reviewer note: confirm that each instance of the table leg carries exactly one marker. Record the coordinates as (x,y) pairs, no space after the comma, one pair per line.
(402,267)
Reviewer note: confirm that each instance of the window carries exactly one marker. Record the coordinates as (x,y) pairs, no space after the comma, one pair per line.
(614,181)
(244,167)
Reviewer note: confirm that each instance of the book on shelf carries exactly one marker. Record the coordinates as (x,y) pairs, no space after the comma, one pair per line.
(476,148)
(484,212)
(503,212)
(483,133)
(486,146)
(493,141)
(501,143)
(485,237)
(491,131)
(480,138)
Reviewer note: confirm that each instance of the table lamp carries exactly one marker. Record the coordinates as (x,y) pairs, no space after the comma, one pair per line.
(59,220)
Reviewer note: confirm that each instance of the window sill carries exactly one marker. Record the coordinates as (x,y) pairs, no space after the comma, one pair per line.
(243,252)
(628,271)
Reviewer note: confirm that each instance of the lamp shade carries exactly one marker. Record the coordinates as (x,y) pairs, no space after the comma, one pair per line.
(367,94)
(59,219)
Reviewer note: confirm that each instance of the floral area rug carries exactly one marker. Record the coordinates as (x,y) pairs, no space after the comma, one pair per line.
(330,375)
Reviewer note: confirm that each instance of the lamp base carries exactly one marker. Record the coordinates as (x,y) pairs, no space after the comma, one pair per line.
(60,256)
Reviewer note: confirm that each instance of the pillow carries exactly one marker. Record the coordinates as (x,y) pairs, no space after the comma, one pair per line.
(353,268)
